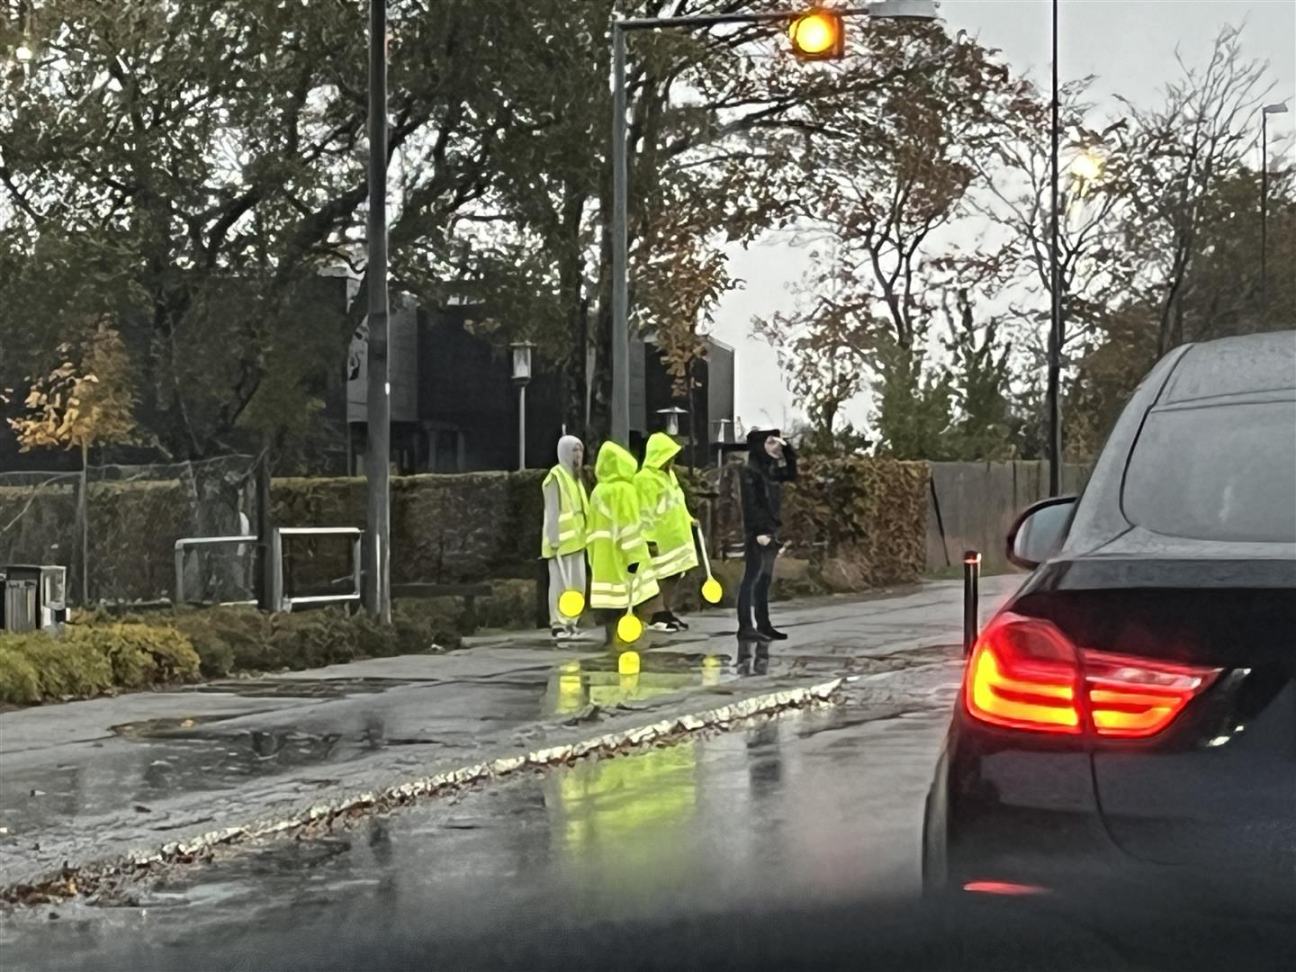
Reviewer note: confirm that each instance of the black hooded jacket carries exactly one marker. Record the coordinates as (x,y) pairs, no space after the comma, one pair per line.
(762,485)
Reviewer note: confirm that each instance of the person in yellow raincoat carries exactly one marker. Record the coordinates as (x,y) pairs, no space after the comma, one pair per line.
(620,564)
(668,525)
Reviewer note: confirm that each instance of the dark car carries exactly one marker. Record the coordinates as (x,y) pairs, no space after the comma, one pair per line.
(1128,719)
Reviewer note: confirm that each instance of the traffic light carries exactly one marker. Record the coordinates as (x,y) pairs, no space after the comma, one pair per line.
(818,35)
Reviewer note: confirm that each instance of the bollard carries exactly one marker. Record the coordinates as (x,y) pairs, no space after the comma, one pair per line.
(971,579)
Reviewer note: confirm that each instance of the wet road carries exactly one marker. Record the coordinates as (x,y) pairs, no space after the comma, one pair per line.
(103,779)
(812,807)
(789,843)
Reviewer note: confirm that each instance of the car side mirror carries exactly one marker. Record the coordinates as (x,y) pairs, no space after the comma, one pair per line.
(1038,533)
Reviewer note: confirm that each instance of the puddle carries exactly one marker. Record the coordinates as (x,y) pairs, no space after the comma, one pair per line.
(300,688)
(608,681)
(151,728)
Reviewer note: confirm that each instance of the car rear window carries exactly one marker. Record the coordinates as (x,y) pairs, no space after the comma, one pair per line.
(1224,472)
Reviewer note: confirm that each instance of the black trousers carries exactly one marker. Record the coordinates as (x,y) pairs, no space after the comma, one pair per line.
(753,595)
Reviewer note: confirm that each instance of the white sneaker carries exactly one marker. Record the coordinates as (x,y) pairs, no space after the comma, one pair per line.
(561,634)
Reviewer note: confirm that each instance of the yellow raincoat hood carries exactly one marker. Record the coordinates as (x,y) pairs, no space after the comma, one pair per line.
(661,450)
(615,464)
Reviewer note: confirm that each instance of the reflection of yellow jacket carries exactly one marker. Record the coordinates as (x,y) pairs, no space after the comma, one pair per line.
(616,537)
(666,519)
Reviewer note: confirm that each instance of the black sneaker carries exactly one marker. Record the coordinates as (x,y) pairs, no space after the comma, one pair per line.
(752,634)
(773,634)
(662,621)
(680,624)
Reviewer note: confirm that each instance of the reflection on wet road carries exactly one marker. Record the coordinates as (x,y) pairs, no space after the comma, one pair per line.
(143,763)
(813,806)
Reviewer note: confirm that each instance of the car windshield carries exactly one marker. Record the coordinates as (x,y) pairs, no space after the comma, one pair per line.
(1222,472)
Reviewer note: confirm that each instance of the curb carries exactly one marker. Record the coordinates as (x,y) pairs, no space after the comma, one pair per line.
(103,878)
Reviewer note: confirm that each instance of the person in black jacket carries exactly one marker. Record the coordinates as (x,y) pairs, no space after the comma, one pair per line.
(770,462)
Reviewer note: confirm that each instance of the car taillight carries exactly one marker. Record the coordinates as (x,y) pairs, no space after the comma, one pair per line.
(1025,674)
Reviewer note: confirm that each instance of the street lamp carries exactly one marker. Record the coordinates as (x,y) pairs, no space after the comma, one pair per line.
(1055,292)
(1087,167)
(813,27)
(521,377)
(672,415)
(1265,112)
(23,53)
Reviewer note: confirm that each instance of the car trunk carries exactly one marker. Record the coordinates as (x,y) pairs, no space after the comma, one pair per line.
(1217,787)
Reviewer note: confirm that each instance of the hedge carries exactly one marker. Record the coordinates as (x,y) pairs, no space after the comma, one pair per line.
(232,639)
(860,522)
(864,516)
(868,518)
(99,654)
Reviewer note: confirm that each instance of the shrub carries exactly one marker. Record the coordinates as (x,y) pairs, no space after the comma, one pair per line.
(226,638)
(66,666)
(92,659)
(511,604)
(871,513)
(19,684)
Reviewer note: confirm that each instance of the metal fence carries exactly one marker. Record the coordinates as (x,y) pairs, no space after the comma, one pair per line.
(114,528)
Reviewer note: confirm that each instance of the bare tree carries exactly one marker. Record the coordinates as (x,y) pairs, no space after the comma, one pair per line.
(1017,197)
(1179,153)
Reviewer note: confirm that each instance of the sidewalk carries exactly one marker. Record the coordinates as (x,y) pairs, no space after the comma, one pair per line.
(109,778)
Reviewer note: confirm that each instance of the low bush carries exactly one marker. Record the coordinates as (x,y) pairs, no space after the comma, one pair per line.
(19,683)
(87,660)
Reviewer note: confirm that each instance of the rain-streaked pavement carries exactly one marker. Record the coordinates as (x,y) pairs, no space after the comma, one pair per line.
(812,807)
(115,776)
(791,841)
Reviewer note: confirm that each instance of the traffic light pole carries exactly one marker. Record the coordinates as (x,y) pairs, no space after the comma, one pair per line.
(620,245)
(886,9)
(377,573)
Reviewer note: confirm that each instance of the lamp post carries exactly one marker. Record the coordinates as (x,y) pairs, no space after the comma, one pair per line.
(377,584)
(521,377)
(1055,292)
(1265,112)
(672,415)
(806,44)
(25,52)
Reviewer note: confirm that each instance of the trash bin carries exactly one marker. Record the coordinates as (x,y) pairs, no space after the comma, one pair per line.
(32,597)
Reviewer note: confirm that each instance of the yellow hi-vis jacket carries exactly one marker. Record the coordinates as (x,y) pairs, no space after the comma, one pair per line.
(615,536)
(573,514)
(666,519)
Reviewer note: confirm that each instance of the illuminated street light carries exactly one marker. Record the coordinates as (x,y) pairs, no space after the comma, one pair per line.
(1088,166)
(23,54)
(818,35)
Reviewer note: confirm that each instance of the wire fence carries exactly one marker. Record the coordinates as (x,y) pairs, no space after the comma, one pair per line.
(114,528)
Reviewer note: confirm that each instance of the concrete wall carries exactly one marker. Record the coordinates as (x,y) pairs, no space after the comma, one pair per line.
(977,502)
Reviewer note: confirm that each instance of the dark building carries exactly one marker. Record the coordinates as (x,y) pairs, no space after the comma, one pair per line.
(455,406)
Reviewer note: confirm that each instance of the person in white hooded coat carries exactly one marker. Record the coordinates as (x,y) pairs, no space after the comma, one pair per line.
(565,534)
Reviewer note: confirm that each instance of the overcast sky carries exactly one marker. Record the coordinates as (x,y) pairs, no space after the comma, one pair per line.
(1129,44)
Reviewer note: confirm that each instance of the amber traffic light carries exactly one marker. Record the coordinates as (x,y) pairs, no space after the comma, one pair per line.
(818,35)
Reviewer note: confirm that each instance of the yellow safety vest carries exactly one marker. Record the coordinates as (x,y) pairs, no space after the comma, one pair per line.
(615,536)
(573,514)
(666,519)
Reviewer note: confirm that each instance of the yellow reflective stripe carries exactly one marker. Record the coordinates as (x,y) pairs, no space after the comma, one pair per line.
(600,535)
(675,562)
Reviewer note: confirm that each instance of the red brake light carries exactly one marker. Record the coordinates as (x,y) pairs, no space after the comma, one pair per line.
(1025,674)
